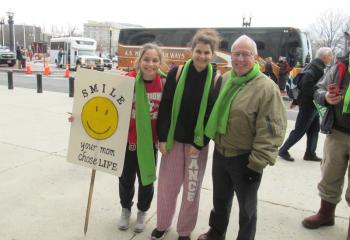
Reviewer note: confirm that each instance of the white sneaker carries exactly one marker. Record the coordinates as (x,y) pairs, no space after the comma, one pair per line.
(124,219)
(140,222)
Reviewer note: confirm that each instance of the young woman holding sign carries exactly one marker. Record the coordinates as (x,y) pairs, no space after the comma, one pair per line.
(141,150)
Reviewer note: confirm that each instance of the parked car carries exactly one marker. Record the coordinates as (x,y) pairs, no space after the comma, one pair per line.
(107,63)
(7,57)
(90,62)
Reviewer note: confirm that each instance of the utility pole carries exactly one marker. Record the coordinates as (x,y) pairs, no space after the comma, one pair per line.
(2,23)
(110,43)
(34,33)
(10,14)
(24,36)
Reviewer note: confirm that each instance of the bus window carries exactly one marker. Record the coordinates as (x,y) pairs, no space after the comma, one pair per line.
(224,45)
(84,42)
(175,42)
(260,45)
(142,39)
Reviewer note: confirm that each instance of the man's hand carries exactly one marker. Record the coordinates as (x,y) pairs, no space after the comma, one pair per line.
(292,105)
(252,176)
(333,98)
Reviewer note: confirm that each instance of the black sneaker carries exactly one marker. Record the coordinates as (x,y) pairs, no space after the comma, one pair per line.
(311,157)
(157,235)
(286,156)
(184,238)
(211,235)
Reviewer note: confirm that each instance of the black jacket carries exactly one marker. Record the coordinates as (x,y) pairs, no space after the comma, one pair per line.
(312,74)
(189,108)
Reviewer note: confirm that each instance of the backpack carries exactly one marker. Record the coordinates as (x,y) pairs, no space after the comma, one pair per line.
(292,86)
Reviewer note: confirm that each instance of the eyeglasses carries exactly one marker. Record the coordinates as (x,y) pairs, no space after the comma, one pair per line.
(243,54)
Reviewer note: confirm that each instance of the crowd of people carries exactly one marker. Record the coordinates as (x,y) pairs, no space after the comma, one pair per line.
(243,112)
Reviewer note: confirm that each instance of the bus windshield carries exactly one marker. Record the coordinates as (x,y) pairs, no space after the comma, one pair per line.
(86,53)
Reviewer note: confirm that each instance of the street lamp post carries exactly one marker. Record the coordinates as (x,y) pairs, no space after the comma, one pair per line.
(10,21)
(110,43)
(2,22)
(246,23)
(34,33)
(24,36)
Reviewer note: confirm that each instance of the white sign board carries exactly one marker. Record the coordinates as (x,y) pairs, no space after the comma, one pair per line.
(101,111)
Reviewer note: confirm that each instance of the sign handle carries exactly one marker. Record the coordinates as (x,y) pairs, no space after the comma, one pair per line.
(88,207)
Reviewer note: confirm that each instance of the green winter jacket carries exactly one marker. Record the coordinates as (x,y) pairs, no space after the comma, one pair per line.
(257,123)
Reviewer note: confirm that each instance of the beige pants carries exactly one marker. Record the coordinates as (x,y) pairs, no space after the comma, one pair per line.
(335,161)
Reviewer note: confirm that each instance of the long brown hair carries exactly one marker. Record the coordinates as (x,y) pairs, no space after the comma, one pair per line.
(206,36)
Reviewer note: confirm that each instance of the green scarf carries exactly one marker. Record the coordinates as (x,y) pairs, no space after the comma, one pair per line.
(217,122)
(199,129)
(346,105)
(145,153)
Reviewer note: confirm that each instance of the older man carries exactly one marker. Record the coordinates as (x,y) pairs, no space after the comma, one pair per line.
(308,120)
(248,124)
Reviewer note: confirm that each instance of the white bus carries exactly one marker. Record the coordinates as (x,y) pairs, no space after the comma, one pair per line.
(77,51)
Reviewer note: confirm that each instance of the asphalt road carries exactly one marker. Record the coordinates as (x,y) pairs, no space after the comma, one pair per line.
(60,84)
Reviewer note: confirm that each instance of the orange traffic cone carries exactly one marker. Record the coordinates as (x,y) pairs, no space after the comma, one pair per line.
(46,70)
(28,69)
(66,73)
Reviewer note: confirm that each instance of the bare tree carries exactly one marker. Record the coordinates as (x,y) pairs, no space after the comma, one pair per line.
(65,30)
(328,30)
(72,30)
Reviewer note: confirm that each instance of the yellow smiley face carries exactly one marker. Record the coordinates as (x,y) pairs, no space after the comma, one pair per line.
(99,118)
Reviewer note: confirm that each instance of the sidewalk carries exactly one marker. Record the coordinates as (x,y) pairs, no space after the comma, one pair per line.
(43,197)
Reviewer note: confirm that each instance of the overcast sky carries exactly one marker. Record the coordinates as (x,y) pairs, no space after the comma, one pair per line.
(167,13)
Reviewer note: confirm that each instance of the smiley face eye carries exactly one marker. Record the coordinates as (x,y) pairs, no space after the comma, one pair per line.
(96,108)
(106,113)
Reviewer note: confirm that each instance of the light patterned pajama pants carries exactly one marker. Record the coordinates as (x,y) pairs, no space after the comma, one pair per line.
(177,169)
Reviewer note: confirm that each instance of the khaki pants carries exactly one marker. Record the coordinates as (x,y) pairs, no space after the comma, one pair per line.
(335,161)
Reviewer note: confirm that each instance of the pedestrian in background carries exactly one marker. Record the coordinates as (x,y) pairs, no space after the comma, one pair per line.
(308,120)
(19,57)
(269,70)
(248,124)
(333,93)
(189,95)
(284,69)
(30,54)
(60,58)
